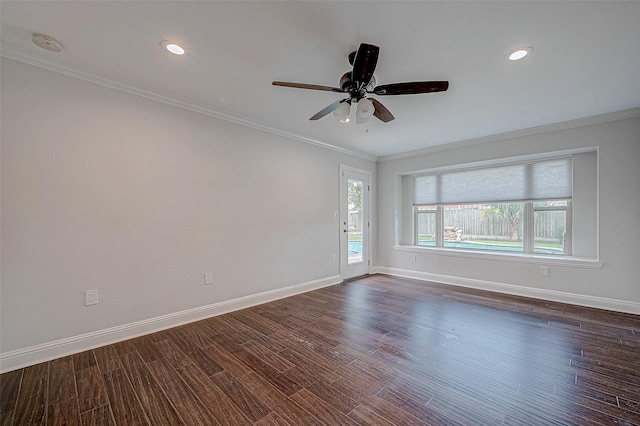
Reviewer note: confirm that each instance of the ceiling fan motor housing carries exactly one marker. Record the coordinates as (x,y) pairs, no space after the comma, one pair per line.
(346,83)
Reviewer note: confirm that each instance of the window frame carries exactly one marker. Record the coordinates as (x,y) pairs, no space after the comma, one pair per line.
(528,237)
(437,219)
(568,233)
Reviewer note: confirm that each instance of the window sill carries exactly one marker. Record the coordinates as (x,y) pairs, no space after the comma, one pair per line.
(542,259)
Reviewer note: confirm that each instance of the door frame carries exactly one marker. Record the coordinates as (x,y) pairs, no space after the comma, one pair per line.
(366,233)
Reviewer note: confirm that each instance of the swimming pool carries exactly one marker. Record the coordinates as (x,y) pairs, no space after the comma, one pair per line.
(356,247)
(484,246)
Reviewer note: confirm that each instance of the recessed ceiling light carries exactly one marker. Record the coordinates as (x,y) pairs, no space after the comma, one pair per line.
(519,53)
(173,47)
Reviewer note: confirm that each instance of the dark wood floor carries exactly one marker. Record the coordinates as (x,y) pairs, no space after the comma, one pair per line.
(377,351)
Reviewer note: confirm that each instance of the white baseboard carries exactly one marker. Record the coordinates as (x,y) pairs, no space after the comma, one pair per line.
(536,293)
(47,351)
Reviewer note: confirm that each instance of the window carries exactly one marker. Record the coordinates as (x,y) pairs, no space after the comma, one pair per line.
(521,207)
(552,227)
(426,225)
(497,227)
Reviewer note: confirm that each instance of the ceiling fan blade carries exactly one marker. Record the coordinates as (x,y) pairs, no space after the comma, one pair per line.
(412,88)
(365,64)
(329,109)
(307,86)
(381,112)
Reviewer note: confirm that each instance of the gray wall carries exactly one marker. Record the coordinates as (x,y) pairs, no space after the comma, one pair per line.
(103,189)
(618,218)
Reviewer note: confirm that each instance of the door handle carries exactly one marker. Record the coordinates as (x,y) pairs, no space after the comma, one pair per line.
(344,230)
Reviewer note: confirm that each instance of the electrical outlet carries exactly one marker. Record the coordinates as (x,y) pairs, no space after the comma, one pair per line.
(336,215)
(91,297)
(544,271)
(333,258)
(208,278)
(413,257)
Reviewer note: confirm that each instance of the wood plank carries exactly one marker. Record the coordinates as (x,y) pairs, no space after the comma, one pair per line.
(375,404)
(222,408)
(62,385)
(64,412)
(199,334)
(281,381)
(311,368)
(107,358)
(124,403)
(320,409)
(197,355)
(415,406)
(340,401)
(365,415)
(84,360)
(100,416)
(248,402)
(32,398)
(63,401)
(91,391)
(270,342)
(152,399)
(146,348)
(272,419)
(284,407)
(225,325)
(190,408)
(324,355)
(9,388)
(124,347)
(274,360)
(257,322)
(227,361)
(172,353)
(206,363)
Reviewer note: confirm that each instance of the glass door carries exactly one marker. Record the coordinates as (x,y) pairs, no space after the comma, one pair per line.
(354,222)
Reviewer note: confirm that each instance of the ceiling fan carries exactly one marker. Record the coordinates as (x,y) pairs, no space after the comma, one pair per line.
(359,82)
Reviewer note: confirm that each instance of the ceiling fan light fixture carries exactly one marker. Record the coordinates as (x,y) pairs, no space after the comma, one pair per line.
(365,110)
(519,53)
(173,47)
(342,112)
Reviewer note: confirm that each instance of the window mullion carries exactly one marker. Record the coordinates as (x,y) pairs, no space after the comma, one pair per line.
(415,226)
(568,235)
(528,228)
(439,226)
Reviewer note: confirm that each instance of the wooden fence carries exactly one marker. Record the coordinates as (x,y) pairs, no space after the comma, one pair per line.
(549,225)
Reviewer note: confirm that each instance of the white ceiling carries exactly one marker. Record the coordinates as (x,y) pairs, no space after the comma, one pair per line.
(586,60)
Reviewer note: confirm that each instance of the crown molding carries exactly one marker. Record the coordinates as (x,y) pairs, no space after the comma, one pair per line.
(563,125)
(12,52)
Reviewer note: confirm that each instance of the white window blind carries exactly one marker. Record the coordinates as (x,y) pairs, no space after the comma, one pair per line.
(541,180)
